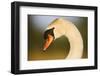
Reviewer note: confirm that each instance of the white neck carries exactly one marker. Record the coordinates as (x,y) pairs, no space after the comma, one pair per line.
(65,27)
(76,43)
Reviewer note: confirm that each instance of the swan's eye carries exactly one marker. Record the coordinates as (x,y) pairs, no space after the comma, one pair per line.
(48,32)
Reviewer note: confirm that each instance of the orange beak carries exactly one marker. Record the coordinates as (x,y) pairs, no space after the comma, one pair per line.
(48,41)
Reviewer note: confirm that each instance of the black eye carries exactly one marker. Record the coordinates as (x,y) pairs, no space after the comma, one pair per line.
(45,35)
(50,32)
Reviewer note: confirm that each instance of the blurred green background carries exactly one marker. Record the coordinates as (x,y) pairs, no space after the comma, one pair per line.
(59,49)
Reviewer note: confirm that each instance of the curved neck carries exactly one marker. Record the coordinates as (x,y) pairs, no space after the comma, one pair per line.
(76,42)
(65,27)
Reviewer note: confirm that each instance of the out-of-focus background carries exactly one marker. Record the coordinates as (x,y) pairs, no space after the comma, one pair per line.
(59,49)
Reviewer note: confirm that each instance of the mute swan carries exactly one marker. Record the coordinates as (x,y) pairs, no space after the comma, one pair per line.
(60,27)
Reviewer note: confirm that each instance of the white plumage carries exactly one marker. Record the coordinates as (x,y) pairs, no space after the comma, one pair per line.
(68,29)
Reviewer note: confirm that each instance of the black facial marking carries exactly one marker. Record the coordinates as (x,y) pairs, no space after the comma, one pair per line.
(50,32)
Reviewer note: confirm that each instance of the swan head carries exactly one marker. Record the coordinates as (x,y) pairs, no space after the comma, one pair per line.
(48,37)
(52,32)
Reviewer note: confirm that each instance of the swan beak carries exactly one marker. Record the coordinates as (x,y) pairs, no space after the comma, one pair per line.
(48,41)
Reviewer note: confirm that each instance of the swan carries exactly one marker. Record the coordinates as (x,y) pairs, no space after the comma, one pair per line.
(61,27)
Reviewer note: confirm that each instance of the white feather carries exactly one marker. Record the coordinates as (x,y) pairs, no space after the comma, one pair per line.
(67,28)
